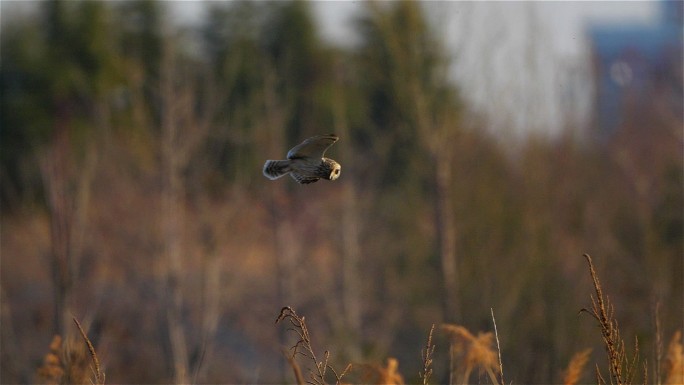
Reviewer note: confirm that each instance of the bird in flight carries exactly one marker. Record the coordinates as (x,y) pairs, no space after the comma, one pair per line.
(305,162)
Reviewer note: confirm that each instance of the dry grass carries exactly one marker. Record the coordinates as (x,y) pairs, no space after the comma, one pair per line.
(426,355)
(498,347)
(52,370)
(385,375)
(67,363)
(673,365)
(621,370)
(573,373)
(303,348)
(97,371)
(469,352)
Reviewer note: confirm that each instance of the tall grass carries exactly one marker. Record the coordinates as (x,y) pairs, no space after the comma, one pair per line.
(97,371)
(303,348)
(621,369)
(67,362)
(426,355)
(469,352)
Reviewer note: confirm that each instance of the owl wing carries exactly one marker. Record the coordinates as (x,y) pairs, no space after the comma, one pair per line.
(302,179)
(314,147)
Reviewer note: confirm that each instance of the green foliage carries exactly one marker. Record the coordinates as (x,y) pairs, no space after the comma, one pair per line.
(295,54)
(54,79)
(141,24)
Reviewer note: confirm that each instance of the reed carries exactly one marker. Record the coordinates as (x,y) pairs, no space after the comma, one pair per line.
(469,352)
(426,355)
(97,371)
(303,348)
(620,368)
(673,365)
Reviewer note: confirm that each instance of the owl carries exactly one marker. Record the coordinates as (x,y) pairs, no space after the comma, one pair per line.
(305,162)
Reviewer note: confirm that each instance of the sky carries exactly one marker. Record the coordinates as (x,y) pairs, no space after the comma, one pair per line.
(567,17)
(526,66)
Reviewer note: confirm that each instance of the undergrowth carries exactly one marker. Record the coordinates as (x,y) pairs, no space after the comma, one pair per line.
(469,353)
(480,353)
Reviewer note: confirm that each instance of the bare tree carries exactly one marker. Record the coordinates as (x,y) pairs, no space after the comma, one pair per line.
(67,189)
(422,84)
(285,244)
(350,230)
(438,138)
(183,130)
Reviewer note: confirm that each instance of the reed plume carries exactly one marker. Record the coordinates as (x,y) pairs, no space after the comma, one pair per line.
(673,365)
(469,352)
(575,368)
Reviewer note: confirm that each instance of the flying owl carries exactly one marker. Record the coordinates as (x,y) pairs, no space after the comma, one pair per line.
(305,162)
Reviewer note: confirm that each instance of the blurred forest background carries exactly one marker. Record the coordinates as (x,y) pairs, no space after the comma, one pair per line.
(132,198)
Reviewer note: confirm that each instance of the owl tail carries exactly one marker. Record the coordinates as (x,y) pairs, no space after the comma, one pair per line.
(274,169)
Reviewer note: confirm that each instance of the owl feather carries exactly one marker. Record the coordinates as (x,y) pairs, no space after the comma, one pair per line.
(305,162)
(274,169)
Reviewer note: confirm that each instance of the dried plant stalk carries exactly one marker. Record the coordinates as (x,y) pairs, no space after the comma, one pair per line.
(620,369)
(498,346)
(99,374)
(303,348)
(426,354)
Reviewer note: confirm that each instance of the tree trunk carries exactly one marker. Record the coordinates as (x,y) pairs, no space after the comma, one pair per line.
(351,248)
(446,235)
(285,244)
(171,218)
(67,189)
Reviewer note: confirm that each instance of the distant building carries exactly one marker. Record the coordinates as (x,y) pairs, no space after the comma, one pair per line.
(635,63)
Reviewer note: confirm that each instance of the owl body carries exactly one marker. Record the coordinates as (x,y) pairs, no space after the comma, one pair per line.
(305,162)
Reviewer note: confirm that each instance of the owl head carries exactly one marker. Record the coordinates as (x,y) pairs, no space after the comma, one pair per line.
(334,168)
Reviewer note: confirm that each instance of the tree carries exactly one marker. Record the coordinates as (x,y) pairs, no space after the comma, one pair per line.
(412,99)
(64,103)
